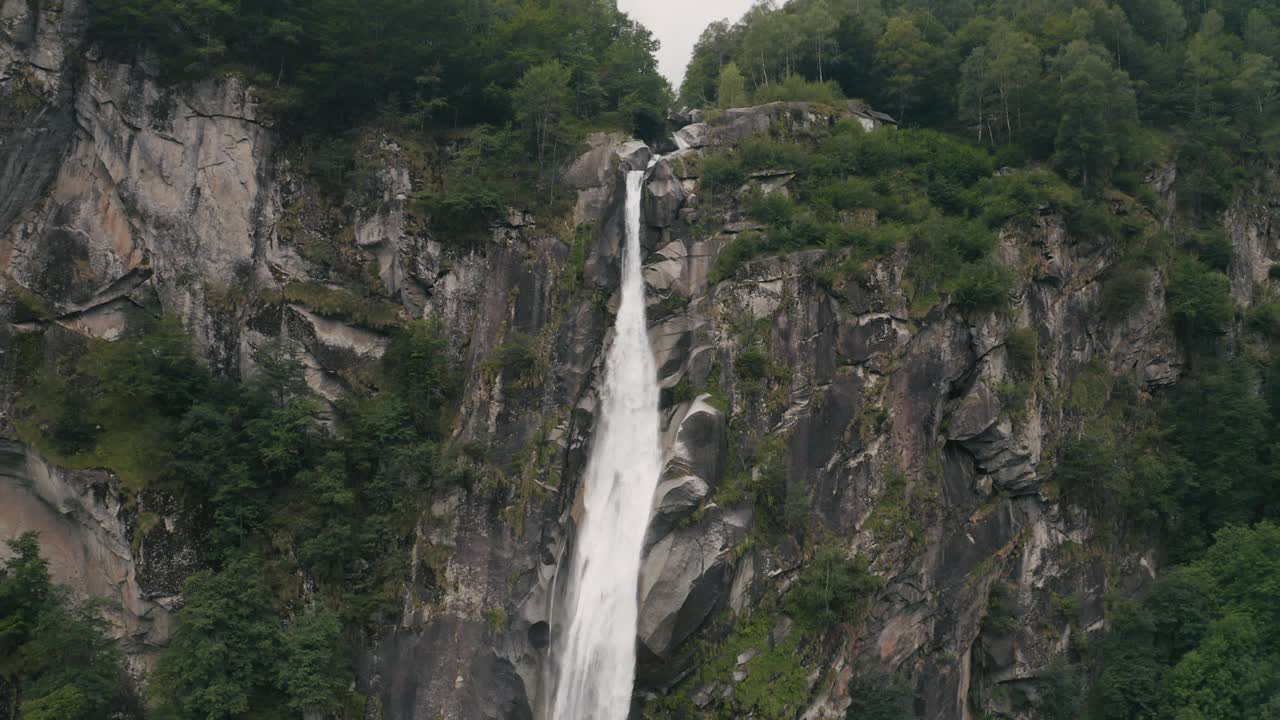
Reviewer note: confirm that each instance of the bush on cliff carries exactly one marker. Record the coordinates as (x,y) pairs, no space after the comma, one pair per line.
(833,588)
(281,508)
(57,659)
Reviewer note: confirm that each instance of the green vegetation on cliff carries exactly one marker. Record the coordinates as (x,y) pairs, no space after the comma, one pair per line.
(57,661)
(497,93)
(1096,88)
(301,530)
(1011,113)
(872,192)
(446,63)
(1203,643)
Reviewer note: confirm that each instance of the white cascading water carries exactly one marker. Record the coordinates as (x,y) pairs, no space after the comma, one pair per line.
(596,654)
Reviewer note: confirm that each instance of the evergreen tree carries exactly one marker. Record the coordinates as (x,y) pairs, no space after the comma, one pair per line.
(1099,114)
(57,661)
(907,57)
(313,667)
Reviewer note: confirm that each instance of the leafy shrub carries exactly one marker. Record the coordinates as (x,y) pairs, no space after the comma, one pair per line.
(983,287)
(778,504)
(1265,319)
(1001,614)
(765,153)
(417,363)
(1021,195)
(851,193)
(71,430)
(1062,692)
(60,661)
(313,667)
(466,204)
(1023,349)
(487,171)
(223,647)
(832,589)
(893,516)
(519,359)
(752,364)
(722,172)
(1213,247)
(1087,471)
(735,253)
(29,306)
(795,88)
(776,683)
(1199,299)
(1090,389)
(944,247)
(773,208)
(153,365)
(1092,220)
(1123,291)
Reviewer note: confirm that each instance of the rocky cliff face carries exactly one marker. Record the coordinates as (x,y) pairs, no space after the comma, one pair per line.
(900,434)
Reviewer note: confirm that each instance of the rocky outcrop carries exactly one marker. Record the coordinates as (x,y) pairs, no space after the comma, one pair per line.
(88,538)
(688,562)
(155,189)
(39,43)
(1250,225)
(720,127)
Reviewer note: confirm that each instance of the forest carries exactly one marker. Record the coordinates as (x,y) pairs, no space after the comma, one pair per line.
(1080,100)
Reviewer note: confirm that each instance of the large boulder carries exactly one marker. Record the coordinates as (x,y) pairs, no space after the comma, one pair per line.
(663,196)
(688,568)
(697,135)
(633,155)
(698,443)
(686,575)
(674,500)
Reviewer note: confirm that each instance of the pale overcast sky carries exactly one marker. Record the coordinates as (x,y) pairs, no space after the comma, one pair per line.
(677,24)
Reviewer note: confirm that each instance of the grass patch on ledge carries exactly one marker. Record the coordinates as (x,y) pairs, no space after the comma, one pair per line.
(343,304)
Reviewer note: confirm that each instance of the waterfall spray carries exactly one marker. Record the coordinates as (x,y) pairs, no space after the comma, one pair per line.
(596,652)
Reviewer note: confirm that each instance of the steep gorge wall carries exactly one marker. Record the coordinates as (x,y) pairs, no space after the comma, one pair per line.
(119,196)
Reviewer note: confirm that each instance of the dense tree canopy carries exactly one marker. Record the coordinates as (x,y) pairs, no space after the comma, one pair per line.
(1090,84)
(1204,643)
(331,63)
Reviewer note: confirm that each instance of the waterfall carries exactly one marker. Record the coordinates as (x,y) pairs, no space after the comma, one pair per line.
(596,653)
